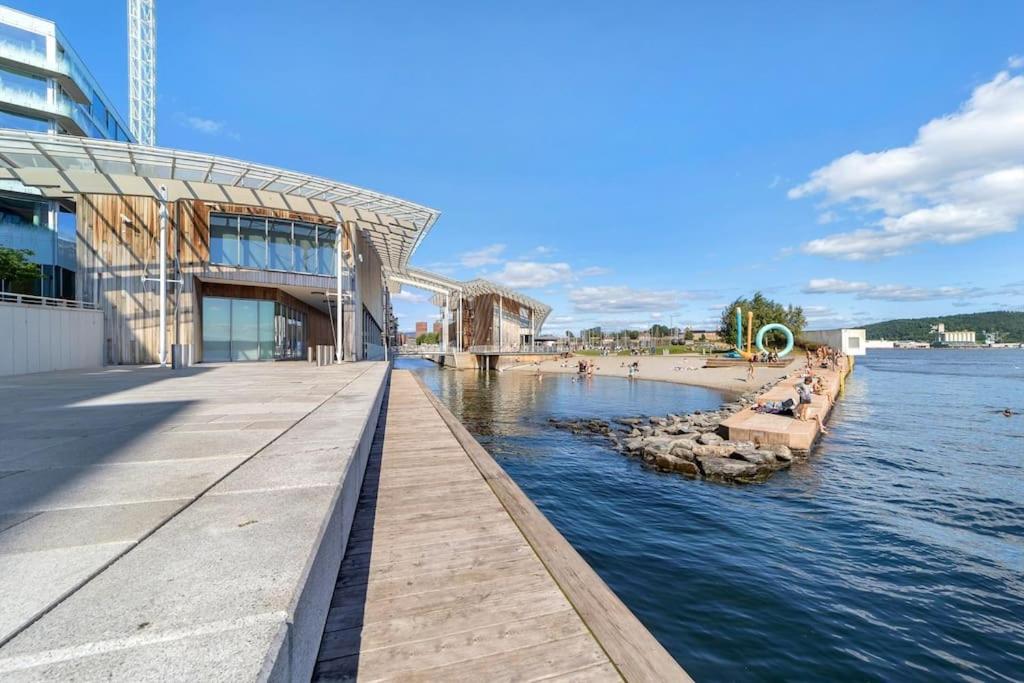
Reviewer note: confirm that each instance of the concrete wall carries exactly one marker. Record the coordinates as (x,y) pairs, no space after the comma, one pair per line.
(42,339)
(852,342)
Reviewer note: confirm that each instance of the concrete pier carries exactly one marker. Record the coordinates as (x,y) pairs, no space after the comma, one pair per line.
(451,573)
(784,430)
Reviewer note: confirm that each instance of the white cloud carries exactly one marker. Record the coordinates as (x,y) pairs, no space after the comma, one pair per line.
(959,180)
(208,126)
(1016,62)
(482,257)
(410,297)
(594,271)
(531,274)
(826,217)
(864,290)
(606,299)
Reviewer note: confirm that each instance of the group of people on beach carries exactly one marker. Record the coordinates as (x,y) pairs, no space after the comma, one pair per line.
(585,367)
(824,357)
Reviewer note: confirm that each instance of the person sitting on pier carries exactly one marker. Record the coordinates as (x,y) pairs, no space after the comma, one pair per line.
(805,391)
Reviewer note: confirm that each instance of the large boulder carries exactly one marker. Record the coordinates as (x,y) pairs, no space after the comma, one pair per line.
(633,445)
(679,428)
(629,421)
(728,470)
(654,449)
(710,438)
(783,453)
(671,463)
(683,449)
(717,450)
(759,458)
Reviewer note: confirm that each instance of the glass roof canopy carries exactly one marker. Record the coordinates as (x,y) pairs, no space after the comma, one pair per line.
(478,287)
(66,165)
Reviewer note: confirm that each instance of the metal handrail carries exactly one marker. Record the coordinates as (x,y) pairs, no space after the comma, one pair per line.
(524,349)
(33,300)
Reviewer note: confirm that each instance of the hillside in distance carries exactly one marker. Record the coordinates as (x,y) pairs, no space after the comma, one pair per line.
(1009,325)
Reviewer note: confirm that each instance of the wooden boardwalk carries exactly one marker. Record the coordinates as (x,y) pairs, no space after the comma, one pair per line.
(451,574)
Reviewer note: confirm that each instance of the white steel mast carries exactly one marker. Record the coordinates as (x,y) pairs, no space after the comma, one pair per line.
(142,70)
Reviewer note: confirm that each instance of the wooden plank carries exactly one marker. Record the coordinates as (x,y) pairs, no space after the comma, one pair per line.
(630,646)
(437,576)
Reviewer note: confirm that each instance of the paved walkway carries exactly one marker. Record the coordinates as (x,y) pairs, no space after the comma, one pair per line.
(440,580)
(147,513)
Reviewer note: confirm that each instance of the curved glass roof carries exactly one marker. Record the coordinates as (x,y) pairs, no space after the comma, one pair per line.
(65,165)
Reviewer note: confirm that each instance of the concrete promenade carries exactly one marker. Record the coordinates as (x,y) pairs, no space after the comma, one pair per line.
(784,430)
(452,574)
(177,525)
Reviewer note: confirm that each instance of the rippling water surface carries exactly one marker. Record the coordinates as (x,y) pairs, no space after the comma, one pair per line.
(895,553)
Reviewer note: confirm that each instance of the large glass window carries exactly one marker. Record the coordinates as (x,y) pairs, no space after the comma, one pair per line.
(266,329)
(20,38)
(326,262)
(280,245)
(224,240)
(251,329)
(245,329)
(304,254)
(253,235)
(9,120)
(216,329)
(262,243)
(31,86)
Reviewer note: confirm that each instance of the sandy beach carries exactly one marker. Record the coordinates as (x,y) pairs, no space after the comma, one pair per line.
(682,369)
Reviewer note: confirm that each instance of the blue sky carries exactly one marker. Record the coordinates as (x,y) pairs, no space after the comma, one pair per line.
(630,162)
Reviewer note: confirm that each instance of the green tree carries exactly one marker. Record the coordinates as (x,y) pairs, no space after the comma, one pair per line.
(15,268)
(765,311)
(688,335)
(659,330)
(428,338)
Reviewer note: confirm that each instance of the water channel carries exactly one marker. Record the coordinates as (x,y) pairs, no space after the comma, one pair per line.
(896,552)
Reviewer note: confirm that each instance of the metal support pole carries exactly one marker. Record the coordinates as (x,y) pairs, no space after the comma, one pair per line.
(444,326)
(163,276)
(500,315)
(532,331)
(339,344)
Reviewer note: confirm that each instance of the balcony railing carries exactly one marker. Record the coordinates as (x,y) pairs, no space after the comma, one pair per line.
(33,300)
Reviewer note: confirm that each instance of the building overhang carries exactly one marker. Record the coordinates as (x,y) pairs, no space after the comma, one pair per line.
(63,166)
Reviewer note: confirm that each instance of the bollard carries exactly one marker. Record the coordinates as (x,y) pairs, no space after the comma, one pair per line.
(309,352)
(181,356)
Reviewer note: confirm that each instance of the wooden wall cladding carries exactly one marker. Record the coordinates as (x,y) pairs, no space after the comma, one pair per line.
(117,246)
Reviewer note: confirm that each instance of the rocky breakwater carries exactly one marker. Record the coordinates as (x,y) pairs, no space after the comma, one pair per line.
(690,444)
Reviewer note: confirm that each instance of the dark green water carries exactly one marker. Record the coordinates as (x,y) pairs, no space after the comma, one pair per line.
(895,553)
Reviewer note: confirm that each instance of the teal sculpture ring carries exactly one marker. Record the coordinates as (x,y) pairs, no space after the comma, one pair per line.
(781,328)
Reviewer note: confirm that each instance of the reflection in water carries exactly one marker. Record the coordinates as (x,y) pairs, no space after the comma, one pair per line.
(897,548)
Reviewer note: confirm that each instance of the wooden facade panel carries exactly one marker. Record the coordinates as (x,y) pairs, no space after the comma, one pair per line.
(117,247)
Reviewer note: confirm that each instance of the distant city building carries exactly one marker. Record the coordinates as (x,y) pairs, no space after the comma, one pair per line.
(46,88)
(705,335)
(953,338)
(421,328)
(852,342)
(437,327)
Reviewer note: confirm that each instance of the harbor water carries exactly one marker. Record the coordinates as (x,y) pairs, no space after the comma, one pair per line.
(896,552)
